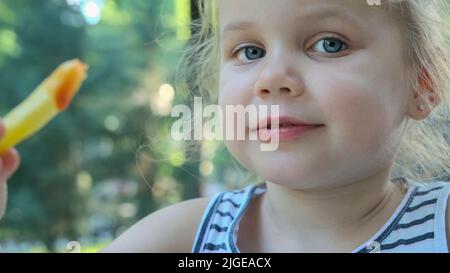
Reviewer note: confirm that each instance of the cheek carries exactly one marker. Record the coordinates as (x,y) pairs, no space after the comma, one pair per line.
(240,151)
(227,89)
(236,89)
(357,116)
(362,101)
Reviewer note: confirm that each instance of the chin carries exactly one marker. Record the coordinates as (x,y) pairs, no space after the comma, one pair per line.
(293,179)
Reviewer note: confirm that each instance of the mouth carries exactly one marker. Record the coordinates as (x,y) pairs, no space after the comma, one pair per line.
(286,125)
(283,122)
(283,128)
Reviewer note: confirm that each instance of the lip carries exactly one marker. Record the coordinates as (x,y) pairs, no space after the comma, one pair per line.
(288,128)
(282,120)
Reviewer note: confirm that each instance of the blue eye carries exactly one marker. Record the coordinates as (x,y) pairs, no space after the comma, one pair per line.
(250,52)
(329,45)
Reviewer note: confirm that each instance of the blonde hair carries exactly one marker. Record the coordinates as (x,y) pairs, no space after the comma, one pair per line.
(424,151)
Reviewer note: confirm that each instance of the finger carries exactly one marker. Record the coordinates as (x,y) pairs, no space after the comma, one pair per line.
(10,163)
(2,176)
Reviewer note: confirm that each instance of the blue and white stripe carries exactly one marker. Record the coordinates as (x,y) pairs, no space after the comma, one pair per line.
(417,225)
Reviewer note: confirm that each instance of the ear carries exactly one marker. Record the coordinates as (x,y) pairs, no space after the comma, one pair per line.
(423,99)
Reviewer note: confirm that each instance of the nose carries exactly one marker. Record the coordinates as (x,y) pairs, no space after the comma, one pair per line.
(279,76)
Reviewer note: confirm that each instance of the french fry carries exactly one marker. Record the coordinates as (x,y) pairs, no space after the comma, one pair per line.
(51,97)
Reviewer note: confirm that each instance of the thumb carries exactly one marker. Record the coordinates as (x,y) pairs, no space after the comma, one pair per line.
(9,162)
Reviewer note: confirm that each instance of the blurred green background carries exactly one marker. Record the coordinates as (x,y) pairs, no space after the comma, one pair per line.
(109,159)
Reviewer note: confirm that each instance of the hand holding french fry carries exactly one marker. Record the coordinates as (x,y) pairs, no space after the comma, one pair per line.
(9,162)
(50,98)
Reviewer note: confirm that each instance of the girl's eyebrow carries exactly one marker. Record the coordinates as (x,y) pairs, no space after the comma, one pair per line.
(317,14)
(238,26)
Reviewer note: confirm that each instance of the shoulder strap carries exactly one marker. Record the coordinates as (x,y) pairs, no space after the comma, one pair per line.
(204,223)
(215,226)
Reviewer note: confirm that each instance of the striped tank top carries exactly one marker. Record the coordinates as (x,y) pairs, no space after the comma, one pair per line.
(417,225)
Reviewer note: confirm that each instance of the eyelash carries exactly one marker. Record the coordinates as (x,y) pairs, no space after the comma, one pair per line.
(246,46)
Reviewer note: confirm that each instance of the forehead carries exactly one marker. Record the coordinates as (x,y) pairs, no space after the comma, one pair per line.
(239,14)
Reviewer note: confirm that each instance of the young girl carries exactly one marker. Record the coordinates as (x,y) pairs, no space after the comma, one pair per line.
(365,178)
